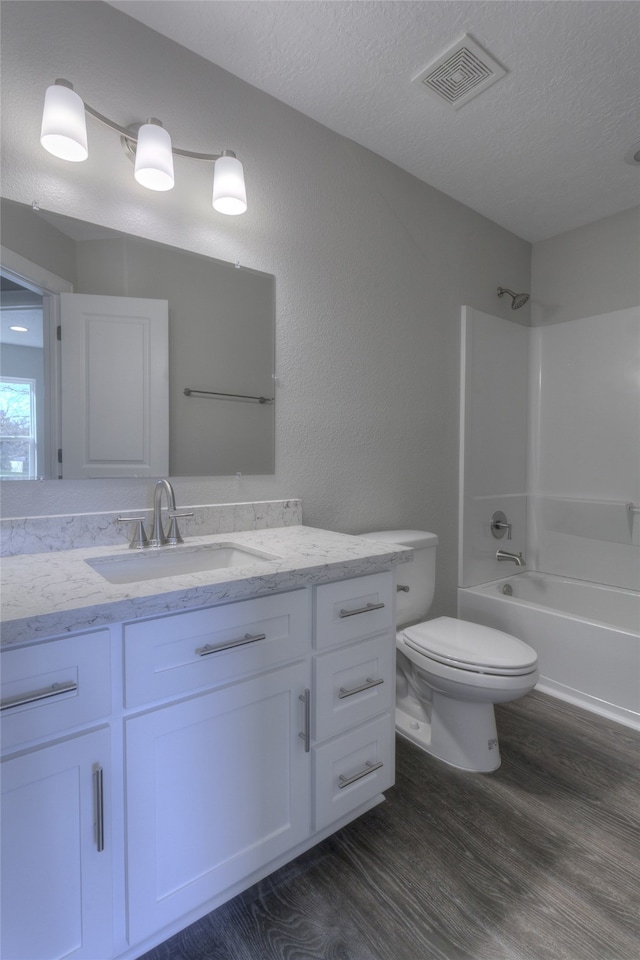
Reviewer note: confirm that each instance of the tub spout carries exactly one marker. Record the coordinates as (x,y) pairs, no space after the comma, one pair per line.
(516,558)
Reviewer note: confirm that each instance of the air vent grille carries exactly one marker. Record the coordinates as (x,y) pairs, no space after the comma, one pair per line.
(461,73)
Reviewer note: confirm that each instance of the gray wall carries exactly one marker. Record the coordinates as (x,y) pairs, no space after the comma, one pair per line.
(45,246)
(372,267)
(589,271)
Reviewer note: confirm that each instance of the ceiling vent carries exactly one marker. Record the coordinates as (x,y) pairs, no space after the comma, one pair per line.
(462,72)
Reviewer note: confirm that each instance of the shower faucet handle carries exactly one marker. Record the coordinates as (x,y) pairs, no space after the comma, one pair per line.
(500,525)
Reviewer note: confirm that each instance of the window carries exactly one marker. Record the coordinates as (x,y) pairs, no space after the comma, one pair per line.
(18,450)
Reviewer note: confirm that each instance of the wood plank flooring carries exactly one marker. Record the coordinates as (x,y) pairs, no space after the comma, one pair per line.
(537,861)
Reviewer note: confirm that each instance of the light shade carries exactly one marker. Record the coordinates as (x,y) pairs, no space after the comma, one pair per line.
(154,160)
(229,193)
(64,127)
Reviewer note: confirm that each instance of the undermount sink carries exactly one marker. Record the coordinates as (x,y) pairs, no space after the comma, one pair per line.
(155,563)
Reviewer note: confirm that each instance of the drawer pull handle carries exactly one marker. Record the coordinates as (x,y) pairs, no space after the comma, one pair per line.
(369,607)
(370,767)
(98,785)
(213,648)
(367,685)
(306,733)
(55,690)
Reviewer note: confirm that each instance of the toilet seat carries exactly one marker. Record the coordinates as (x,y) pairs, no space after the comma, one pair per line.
(470,647)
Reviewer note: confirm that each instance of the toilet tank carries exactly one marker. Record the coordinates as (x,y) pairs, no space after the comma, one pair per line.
(418,574)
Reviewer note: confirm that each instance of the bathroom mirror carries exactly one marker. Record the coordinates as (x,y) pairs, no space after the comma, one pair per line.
(221,344)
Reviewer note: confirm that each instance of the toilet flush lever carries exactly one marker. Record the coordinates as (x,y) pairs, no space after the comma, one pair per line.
(402,588)
(500,525)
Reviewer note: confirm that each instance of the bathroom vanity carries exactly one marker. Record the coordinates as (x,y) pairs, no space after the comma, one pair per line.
(167,742)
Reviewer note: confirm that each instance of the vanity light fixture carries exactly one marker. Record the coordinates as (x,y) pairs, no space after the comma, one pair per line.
(64,134)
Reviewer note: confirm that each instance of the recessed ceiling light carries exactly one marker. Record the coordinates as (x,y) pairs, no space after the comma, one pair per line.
(18,329)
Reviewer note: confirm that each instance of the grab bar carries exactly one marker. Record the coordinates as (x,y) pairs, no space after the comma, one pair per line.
(188,392)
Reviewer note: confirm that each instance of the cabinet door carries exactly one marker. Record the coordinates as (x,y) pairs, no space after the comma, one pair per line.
(56,862)
(217,786)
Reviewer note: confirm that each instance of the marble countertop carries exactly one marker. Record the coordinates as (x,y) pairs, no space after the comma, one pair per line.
(48,594)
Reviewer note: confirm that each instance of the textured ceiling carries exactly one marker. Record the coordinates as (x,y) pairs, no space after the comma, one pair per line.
(539,152)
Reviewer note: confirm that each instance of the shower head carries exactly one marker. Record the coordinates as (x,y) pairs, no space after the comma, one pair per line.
(517,299)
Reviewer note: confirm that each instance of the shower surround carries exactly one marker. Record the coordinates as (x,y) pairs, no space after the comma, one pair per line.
(550,428)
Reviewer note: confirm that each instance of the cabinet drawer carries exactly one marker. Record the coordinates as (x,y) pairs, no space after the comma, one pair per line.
(50,687)
(352,769)
(353,684)
(355,608)
(185,652)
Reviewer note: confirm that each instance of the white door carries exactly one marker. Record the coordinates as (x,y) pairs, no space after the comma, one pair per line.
(217,786)
(115,386)
(56,864)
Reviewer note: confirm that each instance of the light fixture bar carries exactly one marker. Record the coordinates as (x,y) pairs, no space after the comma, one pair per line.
(131,133)
(62,135)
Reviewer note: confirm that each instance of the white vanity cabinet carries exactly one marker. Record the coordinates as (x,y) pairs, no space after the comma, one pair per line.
(56,771)
(156,768)
(218,784)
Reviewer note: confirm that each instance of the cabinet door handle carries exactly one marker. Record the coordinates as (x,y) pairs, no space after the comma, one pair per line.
(367,685)
(370,767)
(55,690)
(98,787)
(213,648)
(354,613)
(305,734)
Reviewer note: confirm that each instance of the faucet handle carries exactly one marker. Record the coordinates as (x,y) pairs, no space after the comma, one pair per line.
(499,524)
(173,537)
(139,539)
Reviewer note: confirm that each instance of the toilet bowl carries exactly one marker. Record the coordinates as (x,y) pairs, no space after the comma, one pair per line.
(449,672)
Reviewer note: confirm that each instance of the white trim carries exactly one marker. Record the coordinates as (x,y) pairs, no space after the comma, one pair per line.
(33,276)
(603,708)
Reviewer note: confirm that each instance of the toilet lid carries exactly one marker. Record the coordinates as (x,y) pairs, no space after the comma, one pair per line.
(470,646)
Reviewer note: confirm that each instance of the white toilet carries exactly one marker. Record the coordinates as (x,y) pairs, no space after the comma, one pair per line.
(450,672)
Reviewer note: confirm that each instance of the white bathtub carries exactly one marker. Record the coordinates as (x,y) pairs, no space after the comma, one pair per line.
(587,636)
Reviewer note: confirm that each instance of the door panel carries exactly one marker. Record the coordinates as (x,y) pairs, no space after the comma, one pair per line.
(115,386)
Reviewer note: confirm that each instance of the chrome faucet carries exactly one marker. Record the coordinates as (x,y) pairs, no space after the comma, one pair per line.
(158,538)
(516,558)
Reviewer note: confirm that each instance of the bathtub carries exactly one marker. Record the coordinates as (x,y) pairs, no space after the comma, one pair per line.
(587,636)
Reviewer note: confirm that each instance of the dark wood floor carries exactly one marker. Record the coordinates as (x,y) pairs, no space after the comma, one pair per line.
(537,861)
